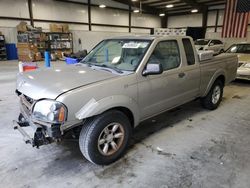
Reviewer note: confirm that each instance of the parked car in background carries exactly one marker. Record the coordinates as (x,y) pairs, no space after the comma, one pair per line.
(243,52)
(210,44)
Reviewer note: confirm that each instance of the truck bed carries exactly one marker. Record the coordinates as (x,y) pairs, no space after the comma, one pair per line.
(225,64)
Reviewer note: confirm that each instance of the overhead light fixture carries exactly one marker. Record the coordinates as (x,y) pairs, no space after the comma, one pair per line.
(194,10)
(102,6)
(170,6)
(162,14)
(136,11)
(134,0)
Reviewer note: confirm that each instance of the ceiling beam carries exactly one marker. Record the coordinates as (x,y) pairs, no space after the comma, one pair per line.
(153,3)
(194,4)
(216,3)
(175,7)
(164,4)
(145,8)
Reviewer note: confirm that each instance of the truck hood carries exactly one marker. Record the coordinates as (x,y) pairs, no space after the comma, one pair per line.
(49,83)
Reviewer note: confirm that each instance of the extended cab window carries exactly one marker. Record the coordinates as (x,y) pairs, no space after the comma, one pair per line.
(189,51)
(166,53)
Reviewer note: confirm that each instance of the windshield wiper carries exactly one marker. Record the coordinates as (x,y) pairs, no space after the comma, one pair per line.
(113,68)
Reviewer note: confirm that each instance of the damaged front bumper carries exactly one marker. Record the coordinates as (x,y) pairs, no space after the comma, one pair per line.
(42,135)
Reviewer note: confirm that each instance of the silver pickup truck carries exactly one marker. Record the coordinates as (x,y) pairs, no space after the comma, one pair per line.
(120,83)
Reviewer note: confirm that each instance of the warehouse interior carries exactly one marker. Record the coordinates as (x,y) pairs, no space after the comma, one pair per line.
(184,146)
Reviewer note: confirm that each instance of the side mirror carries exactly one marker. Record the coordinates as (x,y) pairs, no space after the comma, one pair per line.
(153,69)
(211,44)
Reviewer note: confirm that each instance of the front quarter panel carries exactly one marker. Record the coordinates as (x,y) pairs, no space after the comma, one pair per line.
(94,107)
(96,98)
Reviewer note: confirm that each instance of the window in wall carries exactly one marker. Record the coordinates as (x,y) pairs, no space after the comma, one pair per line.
(189,51)
(166,53)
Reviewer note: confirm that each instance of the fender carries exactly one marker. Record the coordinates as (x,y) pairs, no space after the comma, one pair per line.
(218,73)
(94,107)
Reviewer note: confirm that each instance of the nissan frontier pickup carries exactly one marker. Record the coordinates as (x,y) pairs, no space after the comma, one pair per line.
(120,83)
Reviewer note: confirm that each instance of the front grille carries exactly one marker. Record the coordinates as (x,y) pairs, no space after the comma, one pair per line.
(30,100)
(26,101)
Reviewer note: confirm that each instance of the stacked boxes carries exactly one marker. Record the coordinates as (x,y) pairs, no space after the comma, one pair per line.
(59,28)
(32,42)
(22,27)
(28,52)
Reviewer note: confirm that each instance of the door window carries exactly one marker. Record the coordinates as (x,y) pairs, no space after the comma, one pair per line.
(189,51)
(217,42)
(166,53)
(212,43)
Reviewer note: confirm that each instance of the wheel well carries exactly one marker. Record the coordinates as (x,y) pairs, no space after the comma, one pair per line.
(221,78)
(127,112)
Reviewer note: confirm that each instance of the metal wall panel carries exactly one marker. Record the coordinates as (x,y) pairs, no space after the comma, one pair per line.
(14,8)
(61,11)
(109,16)
(191,20)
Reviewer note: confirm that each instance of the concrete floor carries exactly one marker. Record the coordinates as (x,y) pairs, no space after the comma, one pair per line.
(186,147)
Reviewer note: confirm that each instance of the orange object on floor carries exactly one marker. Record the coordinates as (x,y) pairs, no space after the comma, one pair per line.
(29,68)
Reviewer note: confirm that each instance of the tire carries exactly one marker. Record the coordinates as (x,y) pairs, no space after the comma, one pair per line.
(212,100)
(93,133)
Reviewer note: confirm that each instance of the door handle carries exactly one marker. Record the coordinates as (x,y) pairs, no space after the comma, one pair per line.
(181,75)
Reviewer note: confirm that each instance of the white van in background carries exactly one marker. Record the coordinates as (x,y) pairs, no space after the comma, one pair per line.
(210,44)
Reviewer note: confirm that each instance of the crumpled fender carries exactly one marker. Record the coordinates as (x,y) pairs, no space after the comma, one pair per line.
(93,107)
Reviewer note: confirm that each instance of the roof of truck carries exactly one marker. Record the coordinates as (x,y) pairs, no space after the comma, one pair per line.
(147,37)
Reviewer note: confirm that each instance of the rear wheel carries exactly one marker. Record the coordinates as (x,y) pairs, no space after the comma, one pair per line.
(213,99)
(104,139)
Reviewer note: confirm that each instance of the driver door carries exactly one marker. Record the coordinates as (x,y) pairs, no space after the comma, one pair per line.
(158,93)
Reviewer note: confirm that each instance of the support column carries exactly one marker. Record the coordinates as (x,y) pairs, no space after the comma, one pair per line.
(129,18)
(31,12)
(89,15)
(204,17)
(164,21)
(217,21)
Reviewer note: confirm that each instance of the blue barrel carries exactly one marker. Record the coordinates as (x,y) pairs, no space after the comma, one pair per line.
(47,58)
(11,51)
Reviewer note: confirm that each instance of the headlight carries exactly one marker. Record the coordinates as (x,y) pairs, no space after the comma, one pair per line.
(49,111)
(247,65)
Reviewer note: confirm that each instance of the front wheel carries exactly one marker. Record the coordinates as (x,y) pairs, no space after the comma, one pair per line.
(213,99)
(104,138)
